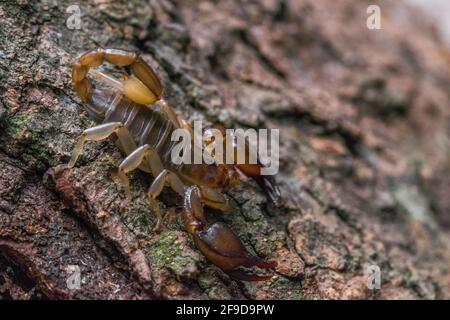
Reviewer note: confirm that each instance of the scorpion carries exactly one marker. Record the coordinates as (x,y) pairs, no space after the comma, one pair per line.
(124,108)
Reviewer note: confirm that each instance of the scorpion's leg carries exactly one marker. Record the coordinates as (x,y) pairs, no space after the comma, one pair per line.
(144,158)
(218,242)
(137,159)
(157,186)
(101,132)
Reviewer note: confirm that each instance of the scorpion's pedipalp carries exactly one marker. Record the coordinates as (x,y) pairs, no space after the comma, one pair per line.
(266,182)
(247,276)
(218,242)
(214,199)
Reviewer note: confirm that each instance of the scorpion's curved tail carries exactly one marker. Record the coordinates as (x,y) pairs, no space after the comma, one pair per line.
(142,86)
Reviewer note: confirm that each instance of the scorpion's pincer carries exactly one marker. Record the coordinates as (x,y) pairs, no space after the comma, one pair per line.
(219,243)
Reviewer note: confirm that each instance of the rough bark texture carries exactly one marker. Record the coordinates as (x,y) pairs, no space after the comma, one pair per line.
(365,149)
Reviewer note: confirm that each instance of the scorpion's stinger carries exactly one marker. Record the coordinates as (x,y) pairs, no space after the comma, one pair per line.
(142,87)
(218,242)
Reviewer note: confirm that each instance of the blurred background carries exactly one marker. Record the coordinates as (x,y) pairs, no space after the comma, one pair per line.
(440,11)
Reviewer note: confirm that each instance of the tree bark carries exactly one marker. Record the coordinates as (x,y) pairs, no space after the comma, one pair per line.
(364,148)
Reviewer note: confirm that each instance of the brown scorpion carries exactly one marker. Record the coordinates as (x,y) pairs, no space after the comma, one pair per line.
(144,136)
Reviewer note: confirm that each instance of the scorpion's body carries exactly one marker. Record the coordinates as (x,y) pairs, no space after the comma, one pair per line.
(147,126)
(151,127)
(144,134)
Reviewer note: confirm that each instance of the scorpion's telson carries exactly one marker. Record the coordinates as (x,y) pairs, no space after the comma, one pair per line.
(145,137)
(143,86)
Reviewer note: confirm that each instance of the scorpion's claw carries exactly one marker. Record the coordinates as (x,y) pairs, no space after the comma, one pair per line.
(226,250)
(270,187)
(246,276)
(219,243)
(266,182)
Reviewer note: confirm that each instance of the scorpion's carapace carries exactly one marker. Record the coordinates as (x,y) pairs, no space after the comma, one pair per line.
(145,137)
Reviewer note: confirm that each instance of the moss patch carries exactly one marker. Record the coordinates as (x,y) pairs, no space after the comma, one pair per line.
(169,250)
